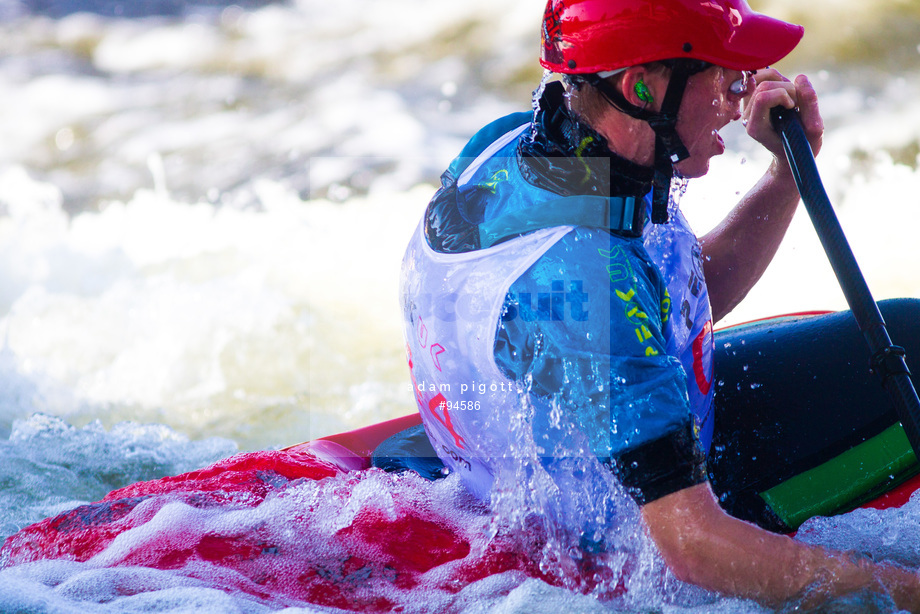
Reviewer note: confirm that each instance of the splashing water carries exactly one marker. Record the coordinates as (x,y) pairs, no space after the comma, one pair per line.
(548,76)
(282,529)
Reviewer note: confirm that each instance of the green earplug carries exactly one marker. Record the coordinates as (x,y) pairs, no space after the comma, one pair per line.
(642,92)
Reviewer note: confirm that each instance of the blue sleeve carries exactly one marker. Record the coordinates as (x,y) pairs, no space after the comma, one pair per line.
(586,325)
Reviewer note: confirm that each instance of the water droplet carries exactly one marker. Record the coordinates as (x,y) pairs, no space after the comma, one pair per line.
(64,139)
(890,535)
(449,89)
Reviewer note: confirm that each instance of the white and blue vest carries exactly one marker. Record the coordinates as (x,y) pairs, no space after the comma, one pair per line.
(452,304)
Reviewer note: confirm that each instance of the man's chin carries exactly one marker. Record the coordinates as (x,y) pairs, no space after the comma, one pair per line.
(692,171)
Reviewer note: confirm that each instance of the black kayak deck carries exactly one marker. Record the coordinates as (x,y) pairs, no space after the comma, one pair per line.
(802,428)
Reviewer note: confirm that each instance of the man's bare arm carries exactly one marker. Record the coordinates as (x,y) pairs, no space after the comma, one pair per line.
(705,546)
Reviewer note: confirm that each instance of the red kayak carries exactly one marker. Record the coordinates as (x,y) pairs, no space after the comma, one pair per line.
(321,523)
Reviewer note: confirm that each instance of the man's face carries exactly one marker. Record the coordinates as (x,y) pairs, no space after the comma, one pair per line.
(711,100)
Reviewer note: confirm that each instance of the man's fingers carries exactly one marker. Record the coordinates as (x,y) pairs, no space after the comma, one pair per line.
(767,96)
(807,102)
(768,74)
(806,99)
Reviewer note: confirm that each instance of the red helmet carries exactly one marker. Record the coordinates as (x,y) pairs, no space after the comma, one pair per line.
(590,36)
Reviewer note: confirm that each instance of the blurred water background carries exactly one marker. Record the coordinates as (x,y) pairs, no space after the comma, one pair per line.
(203,207)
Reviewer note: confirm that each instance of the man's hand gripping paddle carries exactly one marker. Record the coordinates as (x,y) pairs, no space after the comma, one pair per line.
(887,359)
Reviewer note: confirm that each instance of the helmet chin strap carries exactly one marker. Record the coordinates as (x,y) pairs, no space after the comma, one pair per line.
(669,149)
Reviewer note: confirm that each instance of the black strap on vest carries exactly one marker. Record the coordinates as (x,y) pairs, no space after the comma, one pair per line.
(624,216)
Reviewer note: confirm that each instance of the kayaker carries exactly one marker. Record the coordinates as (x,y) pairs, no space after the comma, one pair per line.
(551,271)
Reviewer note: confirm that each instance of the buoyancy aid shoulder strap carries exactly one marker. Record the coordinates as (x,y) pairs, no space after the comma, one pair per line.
(485,137)
(623,216)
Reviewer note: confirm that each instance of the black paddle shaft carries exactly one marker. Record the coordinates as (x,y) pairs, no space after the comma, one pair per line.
(887,359)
